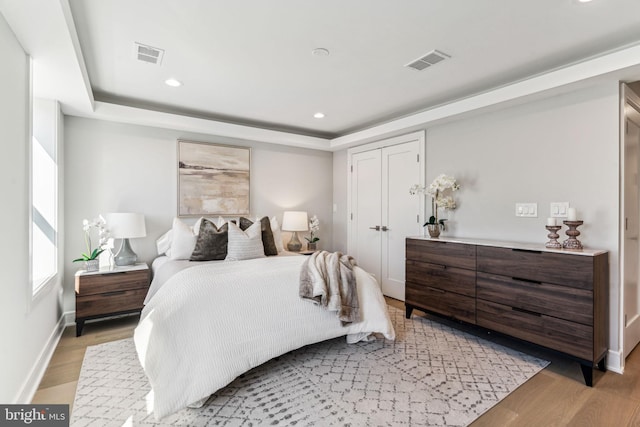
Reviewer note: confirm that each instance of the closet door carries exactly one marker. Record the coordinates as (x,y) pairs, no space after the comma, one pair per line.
(400,213)
(383,213)
(366,210)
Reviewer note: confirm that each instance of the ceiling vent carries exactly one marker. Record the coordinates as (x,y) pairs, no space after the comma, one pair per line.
(428,60)
(149,54)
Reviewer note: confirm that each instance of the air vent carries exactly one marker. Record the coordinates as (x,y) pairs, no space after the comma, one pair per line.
(149,54)
(428,60)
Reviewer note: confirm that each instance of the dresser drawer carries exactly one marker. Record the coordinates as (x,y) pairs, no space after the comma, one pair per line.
(568,337)
(108,303)
(562,302)
(562,269)
(111,282)
(443,253)
(446,303)
(443,277)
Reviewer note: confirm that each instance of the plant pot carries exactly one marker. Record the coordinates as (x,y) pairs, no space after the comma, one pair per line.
(434,230)
(92,265)
(311,246)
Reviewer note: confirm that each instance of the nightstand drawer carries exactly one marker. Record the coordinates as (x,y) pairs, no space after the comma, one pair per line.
(567,270)
(443,253)
(111,282)
(568,337)
(561,302)
(446,303)
(110,302)
(458,280)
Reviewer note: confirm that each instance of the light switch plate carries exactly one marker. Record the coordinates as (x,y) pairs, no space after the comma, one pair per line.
(558,209)
(527,210)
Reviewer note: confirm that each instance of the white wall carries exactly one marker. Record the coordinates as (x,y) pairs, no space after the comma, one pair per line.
(28,329)
(112,167)
(341,214)
(560,149)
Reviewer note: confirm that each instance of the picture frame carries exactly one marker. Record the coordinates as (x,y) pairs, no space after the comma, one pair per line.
(213,179)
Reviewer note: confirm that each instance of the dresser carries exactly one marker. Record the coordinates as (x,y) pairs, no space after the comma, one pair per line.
(110,292)
(553,298)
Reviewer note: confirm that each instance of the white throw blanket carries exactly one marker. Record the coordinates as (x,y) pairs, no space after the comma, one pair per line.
(327,279)
(210,323)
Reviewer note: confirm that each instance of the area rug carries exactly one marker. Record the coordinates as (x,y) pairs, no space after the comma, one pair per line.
(432,374)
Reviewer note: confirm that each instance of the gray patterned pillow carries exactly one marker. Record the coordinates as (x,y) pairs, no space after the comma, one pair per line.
(212,242)
(244,244)
(268,242)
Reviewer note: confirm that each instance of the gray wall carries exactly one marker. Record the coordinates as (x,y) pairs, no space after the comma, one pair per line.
(112,167)
(560,149)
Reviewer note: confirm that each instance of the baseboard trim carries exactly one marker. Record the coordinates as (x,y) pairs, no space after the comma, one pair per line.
(615,361)
(30,386)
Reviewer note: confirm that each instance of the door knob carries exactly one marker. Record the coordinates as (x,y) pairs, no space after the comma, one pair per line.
(384,228)
(377,228)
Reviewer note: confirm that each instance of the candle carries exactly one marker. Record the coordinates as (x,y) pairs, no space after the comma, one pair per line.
(571,214)
(551,221)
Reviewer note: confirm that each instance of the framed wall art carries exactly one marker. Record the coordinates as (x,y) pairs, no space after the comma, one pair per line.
(213,179)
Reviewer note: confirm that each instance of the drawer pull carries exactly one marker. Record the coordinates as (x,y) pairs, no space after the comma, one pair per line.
(110,294)
(436,290)
(440,266)
(113,273)
(522,310)
(527,280)
(526,250)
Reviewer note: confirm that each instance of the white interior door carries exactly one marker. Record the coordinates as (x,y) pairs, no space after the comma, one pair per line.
(401,212)
(631,273)
(366,211)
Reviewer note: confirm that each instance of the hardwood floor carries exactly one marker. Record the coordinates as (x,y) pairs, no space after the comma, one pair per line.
(556,396)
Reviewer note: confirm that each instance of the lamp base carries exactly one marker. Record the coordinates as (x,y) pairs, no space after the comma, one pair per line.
(294,244)
(125,255)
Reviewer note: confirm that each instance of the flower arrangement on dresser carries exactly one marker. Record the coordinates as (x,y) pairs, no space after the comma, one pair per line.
(90,257)
(440,192)
(314,227)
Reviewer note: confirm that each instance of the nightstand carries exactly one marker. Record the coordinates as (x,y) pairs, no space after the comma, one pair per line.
(110,292)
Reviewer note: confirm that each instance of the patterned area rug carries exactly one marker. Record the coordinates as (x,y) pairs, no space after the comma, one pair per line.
(431,374)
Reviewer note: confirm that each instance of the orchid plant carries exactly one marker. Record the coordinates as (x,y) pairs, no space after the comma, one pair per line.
(314,226)
(103,236)
(439,191)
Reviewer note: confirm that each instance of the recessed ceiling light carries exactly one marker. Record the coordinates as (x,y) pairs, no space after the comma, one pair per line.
(320,51)
(319,115)
(173,83)
(584,1)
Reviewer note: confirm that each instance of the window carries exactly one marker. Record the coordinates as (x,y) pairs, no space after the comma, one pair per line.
(44,194)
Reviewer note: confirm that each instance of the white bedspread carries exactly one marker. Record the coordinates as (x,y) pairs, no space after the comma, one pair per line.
(210,323)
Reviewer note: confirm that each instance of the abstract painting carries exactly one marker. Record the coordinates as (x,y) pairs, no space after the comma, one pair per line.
(213,179)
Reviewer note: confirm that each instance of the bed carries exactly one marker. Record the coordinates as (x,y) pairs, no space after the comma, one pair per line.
(206,323)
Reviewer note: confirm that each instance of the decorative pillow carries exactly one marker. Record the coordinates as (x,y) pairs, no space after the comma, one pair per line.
(267,235)
(182,240)
(163,244)
(219,223)
(245,244)
(277,235)
(212,242)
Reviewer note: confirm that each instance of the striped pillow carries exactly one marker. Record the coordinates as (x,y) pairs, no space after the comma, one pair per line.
(245,244)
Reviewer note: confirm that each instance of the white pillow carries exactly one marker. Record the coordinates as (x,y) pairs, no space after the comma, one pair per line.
(183,240)
(277,235)
(163,244)
(245,244)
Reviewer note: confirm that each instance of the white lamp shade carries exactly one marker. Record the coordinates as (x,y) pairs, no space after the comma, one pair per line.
(295,221)
(126,225)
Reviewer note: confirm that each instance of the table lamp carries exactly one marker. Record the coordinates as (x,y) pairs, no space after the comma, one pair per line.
(295,221)
(126,226)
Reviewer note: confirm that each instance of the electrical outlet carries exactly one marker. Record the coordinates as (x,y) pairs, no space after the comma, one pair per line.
(527,210)
(558,209)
